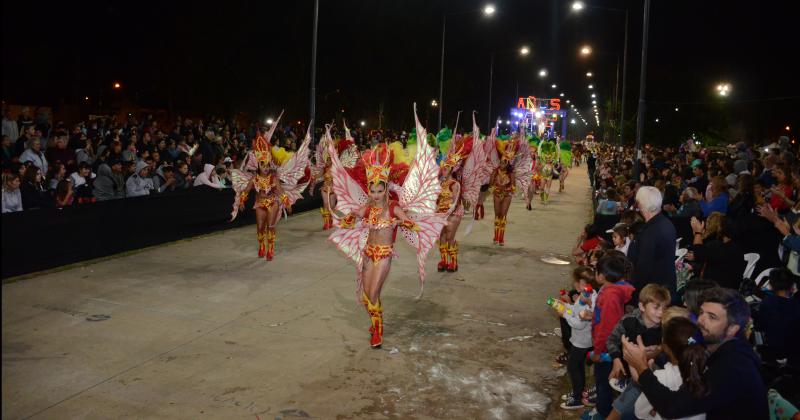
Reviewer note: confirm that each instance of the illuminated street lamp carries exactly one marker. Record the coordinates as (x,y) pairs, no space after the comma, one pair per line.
(723,89)
(676,109)
(489,10)
(578,6)
(117,85)
(270,121)
(589,74)
(586,50)
(363,123)
(434,103)
(543,73)
(524,51)
(593,95)
(788,128)
(561,95)
(591,86)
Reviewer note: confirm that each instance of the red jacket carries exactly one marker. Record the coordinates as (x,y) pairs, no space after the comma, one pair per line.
(608,310)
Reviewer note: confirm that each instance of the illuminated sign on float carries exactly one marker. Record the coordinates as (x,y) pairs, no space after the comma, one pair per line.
(533,103)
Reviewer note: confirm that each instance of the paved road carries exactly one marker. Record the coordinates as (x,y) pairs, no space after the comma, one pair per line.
(203,329)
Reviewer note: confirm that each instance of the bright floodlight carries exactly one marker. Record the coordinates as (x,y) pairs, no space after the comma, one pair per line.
(591,86)
(588,74)
(676,109)
(269,121)
(117,85)
(489,10)
(524,51)
(434,103)
(593,95)
(561,95)
(572,121)
(723,89)
(586,50)
(578,6)
(363,123)
(543,73)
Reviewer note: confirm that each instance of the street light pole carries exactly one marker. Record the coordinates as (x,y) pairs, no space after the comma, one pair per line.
(491,77)
(642,85)
(313,103)
(441,73)
(624,80)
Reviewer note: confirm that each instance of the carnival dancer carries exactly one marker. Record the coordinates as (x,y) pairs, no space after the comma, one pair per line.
(511,173)
(547,160)
(321,172)
(375,199)
(484,176)
(536,178)
(460,180)
(275,179)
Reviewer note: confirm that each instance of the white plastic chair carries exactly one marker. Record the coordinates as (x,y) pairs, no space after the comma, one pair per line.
(751,258)
(761,277)
(679,254)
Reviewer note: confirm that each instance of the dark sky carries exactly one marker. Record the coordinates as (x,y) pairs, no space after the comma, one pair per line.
(254,56)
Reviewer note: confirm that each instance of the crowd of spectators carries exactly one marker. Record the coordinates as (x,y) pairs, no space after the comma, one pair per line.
(686,298)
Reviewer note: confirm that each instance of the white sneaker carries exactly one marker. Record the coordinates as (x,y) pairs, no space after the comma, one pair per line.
(618,385)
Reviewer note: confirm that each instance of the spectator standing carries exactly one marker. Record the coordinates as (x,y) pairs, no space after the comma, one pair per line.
(778,317)
(782,197)
(208,178)
(12,196)
(653,249)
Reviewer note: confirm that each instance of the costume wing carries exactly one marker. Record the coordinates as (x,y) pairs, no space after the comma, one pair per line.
(523,167)
(491,159)
(421,186)
(430,226)
(350,196)
(294,169)
(318,169)
(351,242)
(239,182)
(471,179)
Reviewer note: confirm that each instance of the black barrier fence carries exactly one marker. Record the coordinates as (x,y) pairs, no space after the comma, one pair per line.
(41,239)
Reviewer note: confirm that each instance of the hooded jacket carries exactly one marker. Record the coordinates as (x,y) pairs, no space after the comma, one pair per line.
(137,185)
(736,390)
(632,325)
(608,310)
(208,177)
(108,185)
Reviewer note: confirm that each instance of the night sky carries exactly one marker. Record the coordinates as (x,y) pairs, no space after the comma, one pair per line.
(254,57)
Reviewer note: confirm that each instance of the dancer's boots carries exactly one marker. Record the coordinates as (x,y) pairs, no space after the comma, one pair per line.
(375,311)
(497,222)
(453,251)
(262,246)
(271,237)
(444,252)
(502,232)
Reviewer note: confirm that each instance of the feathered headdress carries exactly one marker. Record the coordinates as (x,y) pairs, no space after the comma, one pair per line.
(507,149)
(377,164)
(459,150)
(262,149)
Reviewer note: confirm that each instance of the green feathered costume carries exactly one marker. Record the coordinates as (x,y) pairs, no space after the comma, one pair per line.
(566,153)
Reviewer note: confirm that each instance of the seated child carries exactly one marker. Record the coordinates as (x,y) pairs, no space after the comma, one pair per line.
(644,322)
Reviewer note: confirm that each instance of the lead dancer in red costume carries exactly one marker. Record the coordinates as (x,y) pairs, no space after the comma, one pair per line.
(512,172)
(276,186)
(373,203)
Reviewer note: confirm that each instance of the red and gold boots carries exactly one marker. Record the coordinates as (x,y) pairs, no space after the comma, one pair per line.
(375,311)
(271,236)
(497,222)
(501,235)
(443,250)
(327,220)
(262,246)
(452,266)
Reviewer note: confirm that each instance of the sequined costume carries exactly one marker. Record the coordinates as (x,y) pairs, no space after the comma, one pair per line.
(512,172)
(321,170)
(276,176)
(365,230)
